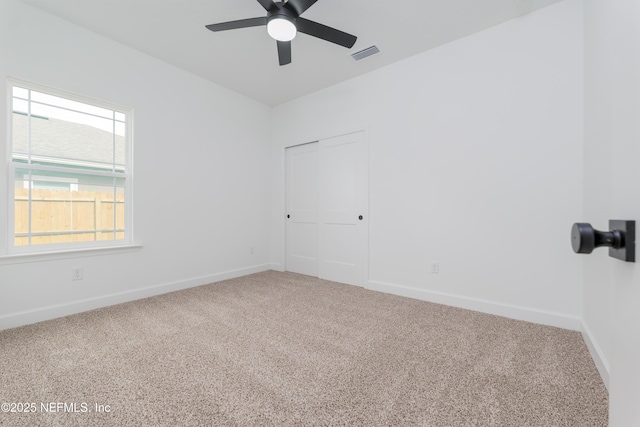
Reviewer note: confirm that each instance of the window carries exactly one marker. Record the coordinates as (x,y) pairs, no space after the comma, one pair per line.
(70,167)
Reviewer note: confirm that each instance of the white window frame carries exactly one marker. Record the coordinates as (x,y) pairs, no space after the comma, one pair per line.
(71,247)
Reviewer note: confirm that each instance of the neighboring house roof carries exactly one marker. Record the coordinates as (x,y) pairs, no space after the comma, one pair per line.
(59,141)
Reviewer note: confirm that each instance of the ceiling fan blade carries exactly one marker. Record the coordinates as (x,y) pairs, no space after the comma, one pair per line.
(325,33)
(268,5)
(242,23)
(299,6)
(284,52)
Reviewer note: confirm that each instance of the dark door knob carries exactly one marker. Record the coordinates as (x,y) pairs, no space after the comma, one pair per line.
(360,217)
(585,238)
(288,216)
(620,240)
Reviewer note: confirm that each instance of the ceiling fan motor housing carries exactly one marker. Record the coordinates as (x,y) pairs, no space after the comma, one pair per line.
(282,13)
(281,23)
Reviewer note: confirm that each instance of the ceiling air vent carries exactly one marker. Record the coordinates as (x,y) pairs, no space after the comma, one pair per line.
(361,54)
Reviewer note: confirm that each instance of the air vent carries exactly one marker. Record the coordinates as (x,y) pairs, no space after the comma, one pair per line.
(361,54)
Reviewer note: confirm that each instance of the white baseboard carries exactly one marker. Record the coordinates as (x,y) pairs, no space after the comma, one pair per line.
(14,320)
(276,266)
(511,311)
(601,362)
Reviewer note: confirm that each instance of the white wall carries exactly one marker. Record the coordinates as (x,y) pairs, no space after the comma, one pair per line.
(612,186)
(201,199)
(475,161)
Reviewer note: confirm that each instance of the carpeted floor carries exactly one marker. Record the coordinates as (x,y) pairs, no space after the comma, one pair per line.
(284,349)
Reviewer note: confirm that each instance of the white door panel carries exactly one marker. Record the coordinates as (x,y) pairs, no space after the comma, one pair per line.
(345,217)
(302,209)
(343,200)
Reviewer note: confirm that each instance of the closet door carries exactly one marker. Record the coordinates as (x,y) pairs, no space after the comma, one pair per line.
(302,209)
(343,209)
(327,208)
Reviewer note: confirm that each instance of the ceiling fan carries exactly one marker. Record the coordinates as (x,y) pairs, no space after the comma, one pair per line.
(283,21)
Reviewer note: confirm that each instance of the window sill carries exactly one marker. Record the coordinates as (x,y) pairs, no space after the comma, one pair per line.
(64,254)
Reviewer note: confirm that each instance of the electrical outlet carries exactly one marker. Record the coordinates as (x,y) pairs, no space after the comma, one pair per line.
(76,273)
(435,267)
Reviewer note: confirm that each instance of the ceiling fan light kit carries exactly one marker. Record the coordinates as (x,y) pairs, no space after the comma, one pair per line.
(283,22)
(282,27)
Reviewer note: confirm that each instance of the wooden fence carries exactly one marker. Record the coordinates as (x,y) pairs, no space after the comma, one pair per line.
(59,216)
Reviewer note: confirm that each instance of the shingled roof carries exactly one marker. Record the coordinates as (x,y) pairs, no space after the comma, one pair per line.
(60,141)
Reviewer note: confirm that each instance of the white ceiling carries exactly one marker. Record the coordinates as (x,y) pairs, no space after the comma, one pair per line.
(246,60)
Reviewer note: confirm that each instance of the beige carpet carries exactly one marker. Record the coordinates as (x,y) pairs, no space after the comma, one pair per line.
(284,349)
